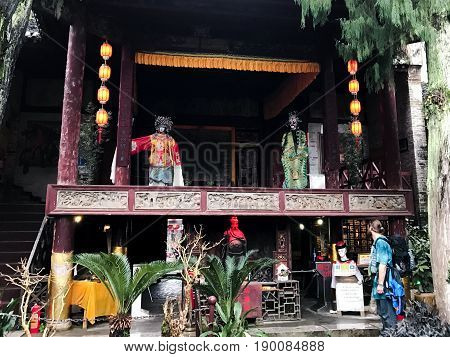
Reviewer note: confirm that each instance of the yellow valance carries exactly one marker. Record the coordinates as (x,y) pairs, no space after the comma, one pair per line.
(236,63)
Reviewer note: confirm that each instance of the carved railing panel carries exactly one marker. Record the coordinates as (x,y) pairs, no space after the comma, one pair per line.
(314,202)
(97,200)
(160,200)
(243,201)
(377,203)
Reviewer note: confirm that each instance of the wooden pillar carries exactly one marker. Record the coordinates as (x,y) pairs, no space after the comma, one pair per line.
(62,250)
(125,112)
(330,126)
(390,138)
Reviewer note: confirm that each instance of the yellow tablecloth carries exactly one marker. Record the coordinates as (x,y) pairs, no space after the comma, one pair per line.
(94,298)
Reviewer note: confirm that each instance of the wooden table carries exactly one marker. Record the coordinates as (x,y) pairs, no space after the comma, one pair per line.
(94,298)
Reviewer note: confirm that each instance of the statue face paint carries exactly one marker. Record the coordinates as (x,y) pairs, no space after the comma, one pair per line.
(293,121)
(161,129)
(342,253)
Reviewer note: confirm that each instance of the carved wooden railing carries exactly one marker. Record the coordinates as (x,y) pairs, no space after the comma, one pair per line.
(370,176)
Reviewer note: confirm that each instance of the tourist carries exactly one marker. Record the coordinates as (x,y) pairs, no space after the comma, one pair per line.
(380,258)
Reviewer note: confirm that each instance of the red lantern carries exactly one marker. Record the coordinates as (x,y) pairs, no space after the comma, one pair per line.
(353,86)
(103,94)
(104,72)
(101,118)
(356,128)
(106,50)
(355,107)
(352,66)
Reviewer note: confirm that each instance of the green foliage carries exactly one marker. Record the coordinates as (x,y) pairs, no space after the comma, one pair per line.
(353,155)
(226,282)
(435,101)
(115,272)
(376,30)
(7,320)
(89,149)
(420,245)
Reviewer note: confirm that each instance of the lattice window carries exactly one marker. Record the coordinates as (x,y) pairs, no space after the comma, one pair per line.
(355,235)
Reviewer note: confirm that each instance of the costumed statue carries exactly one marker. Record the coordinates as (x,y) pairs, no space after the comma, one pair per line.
(294,155)
(164,158)
(346,265)
(235,241)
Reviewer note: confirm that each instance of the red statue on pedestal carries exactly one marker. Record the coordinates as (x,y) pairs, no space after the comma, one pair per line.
(236,243)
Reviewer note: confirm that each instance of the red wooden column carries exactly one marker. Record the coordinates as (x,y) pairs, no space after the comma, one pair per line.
(62,251)
(330,126)
(390,138)
(124,121)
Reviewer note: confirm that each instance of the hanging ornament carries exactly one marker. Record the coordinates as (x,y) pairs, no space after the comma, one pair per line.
(104,72)
(355,107)
(353,86)
(352,66)
(103,94)
(106,50)
(101,118)
(356,127)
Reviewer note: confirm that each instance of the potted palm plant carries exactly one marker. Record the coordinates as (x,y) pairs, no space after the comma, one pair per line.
(226,282)
(114,271)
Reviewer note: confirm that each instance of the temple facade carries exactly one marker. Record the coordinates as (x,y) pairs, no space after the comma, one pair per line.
(229,75)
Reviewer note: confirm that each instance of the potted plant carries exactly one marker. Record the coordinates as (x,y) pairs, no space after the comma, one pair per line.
(114,271)
(422,279)
(226,282)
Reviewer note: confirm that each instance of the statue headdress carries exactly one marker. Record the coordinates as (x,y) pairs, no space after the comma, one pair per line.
(165,122)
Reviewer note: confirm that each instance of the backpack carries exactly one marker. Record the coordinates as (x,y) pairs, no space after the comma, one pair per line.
(401,254)
(393,284)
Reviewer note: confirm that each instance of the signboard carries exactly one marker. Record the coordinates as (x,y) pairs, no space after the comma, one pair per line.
(364,259)
(349,297)
(344,269)
(324,269)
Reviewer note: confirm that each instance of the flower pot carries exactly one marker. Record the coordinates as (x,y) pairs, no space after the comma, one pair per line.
(427,298)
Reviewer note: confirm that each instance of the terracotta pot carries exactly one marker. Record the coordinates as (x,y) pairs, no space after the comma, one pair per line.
(426,298)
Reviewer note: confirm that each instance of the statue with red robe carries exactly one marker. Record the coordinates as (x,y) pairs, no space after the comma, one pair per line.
(164,157)
(236,243)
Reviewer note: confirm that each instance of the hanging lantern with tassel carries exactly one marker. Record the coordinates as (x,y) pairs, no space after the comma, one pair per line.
(355,107)
(106,50)
(353,86)
(352,66)
(101,118)
(103,94)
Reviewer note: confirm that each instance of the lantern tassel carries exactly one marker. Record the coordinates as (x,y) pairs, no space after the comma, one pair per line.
(99,138)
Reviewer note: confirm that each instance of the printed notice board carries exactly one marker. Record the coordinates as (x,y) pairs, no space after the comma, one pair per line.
(349,297)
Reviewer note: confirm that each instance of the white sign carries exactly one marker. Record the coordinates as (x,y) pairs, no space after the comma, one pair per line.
(345,269)
(349,297)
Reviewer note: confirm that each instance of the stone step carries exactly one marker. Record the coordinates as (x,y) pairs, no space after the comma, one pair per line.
(11,236)
(20,226)
(21,216)
(22,207)
(16,246)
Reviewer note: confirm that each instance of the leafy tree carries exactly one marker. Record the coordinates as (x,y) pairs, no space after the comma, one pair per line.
(377,30)
(114,271)
(14,17)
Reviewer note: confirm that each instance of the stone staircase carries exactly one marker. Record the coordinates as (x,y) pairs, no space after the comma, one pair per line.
(21,217)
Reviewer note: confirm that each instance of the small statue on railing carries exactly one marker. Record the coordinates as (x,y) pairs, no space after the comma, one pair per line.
(295,154)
